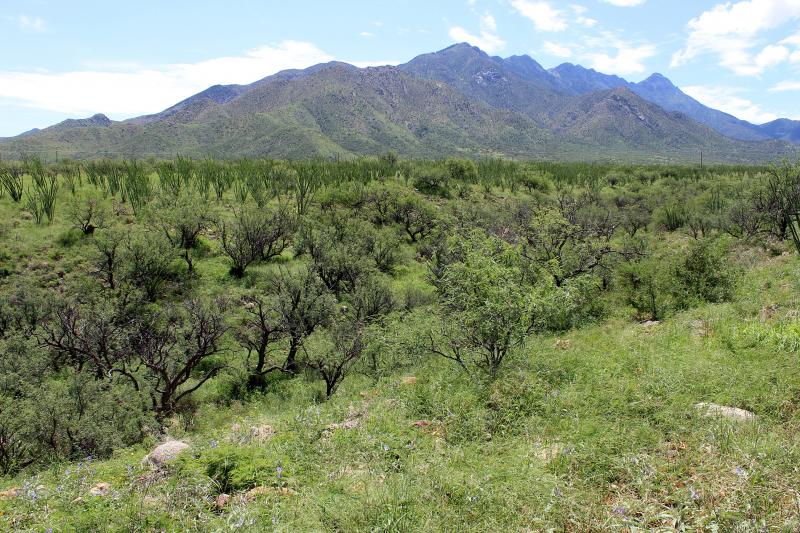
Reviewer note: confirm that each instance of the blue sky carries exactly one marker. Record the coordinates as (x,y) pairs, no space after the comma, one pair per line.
(63,59)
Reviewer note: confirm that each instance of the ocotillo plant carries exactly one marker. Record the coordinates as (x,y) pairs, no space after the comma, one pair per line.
(43,192)
(136,185)
(169,178)
(11,180)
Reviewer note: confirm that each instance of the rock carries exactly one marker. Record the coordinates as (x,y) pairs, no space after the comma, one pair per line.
(712,410)
(151,501)
(700,328)
(101,489)
(548,452)
(563,344)
(161,455)
(651,323)
(767,313)
(409,380)
(351,423)
(9,494)
(257,492)
(222,500)
(262,434)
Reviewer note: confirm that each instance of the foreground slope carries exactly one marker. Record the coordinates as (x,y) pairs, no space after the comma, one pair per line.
(609,440)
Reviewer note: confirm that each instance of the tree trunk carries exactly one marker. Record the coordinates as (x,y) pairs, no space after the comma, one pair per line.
(291,362)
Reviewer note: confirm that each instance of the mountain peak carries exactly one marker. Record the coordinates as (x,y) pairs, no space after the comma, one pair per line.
(97,120)
(462,47)
(582,80)
(657,79)
(524,64)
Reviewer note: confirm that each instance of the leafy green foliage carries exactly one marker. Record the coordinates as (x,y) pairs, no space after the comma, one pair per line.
(108,346)
(489,311)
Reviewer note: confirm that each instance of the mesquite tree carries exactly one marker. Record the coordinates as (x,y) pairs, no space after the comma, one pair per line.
(172,343)
(487,311)
(259,331)
(334,359)
(302,304)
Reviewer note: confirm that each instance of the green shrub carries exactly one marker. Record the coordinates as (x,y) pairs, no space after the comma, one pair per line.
(704,275)
(647,286)
(234,468)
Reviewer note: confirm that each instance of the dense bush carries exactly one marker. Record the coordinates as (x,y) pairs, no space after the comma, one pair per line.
(332,269)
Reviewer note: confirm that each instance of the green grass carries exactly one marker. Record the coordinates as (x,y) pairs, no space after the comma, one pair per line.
(595,434)
(600,435)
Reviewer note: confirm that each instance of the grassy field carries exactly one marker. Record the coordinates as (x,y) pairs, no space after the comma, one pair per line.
(589,429)
(599,434)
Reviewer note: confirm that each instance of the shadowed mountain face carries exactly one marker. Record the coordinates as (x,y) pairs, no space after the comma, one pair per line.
(784,129)
(582,80)
(662,92)
(516,84)
(456,102)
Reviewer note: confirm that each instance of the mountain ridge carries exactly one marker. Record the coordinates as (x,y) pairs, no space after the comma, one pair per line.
(457,101)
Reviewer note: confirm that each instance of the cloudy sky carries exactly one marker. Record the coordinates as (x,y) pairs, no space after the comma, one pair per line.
(71,59)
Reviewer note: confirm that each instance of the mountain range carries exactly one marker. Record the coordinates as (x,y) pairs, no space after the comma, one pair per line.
(459,101)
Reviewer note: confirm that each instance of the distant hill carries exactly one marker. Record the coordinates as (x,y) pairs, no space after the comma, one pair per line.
(456,102)
(784,129)
(661,91)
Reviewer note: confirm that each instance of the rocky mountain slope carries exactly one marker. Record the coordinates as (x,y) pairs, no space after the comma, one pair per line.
(456,102)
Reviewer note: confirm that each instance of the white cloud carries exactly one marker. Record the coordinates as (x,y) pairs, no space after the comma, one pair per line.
(793,40)
(727,99)
(785,86)
(488,40)
(32,23)
(557,50)
(772,55)
(488,22)
(628,59)
(580,17)
(730,31)
(544,16)
(123,93)
(625,3)
(366,34)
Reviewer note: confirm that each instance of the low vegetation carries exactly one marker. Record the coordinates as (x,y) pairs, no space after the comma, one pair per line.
(386,345)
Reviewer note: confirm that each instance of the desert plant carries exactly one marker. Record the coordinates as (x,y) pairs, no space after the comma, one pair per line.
(11,180)
(302,304)
(487,312)
(136,185)
(88,212)
(259,331)
(333,359)
(43,192)
(173,343)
